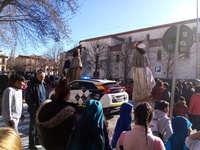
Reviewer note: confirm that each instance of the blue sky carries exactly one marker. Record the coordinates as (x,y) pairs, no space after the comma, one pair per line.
(103,17)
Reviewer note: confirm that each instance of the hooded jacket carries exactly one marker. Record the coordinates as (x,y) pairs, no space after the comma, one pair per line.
(164,124)
(11,103)
(195,104)
(180,126)
(123,122)
(55,122)
(90,132)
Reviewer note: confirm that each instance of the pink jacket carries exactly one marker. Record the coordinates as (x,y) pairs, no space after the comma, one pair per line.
(194,104)
(136,140)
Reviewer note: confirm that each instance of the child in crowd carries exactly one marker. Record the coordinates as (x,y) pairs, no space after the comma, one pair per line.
(181,129)
(180,107)
(140,137)
(90,132)
(164,122)
(123,122)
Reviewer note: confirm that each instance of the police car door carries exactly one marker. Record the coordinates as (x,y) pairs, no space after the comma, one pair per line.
(80,92)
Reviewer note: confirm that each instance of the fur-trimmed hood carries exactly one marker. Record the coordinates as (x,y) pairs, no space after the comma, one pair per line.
(62,115)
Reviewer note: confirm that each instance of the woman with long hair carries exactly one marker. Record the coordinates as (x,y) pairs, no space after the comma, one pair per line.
(56,119)
(140,137)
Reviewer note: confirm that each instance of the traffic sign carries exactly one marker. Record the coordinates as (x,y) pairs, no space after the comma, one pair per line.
(158,69)
(185,40)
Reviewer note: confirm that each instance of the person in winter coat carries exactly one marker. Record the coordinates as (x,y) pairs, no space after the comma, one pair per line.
(157,91)
(180,107)
(56,119)
(36,94)
(12,103)
(123,122)
(188,93)
(164,122)
(181,129)
(176,94)
(90,132)
(166,93)
(194,110)
(140,137)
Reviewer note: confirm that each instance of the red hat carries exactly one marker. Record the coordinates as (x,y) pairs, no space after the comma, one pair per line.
(140,45)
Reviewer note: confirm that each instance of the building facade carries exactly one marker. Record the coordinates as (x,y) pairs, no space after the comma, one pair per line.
(117,58)
(31,63)
(3,62)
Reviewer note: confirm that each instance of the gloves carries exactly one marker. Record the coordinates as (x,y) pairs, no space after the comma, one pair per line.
(11,123)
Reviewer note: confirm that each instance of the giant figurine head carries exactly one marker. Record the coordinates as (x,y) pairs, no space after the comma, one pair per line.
(140,46)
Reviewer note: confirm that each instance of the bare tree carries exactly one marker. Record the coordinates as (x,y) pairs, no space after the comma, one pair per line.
(165,57)
(126,58)
(53,54)
(96,56)
(16,65)
(31,21)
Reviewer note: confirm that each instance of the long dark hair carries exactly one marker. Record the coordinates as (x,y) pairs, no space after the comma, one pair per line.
(62,89)
(144,114)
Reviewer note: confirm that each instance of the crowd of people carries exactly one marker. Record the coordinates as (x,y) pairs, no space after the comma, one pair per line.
(55,124)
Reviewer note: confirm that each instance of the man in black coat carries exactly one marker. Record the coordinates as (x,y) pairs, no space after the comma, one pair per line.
(36,94)
(188,93)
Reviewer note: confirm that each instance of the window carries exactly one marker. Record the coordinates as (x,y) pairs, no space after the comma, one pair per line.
(117,58)
(74,86)
(187,53)
(2,68)
(82,86)
(159,55)
(87,86)
(3,60)
(111,85)
(148,37)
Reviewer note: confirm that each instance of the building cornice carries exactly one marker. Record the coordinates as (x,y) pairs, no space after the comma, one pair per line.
(139,30)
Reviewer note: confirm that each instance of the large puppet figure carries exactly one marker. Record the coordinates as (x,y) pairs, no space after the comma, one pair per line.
(75,68)
(142,75)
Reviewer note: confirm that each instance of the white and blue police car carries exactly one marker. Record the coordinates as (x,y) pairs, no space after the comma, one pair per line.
(108,92)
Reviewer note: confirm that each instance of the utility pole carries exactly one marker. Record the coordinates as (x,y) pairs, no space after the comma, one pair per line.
(197,45)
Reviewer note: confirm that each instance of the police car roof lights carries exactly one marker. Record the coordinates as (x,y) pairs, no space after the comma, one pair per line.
(85,77)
